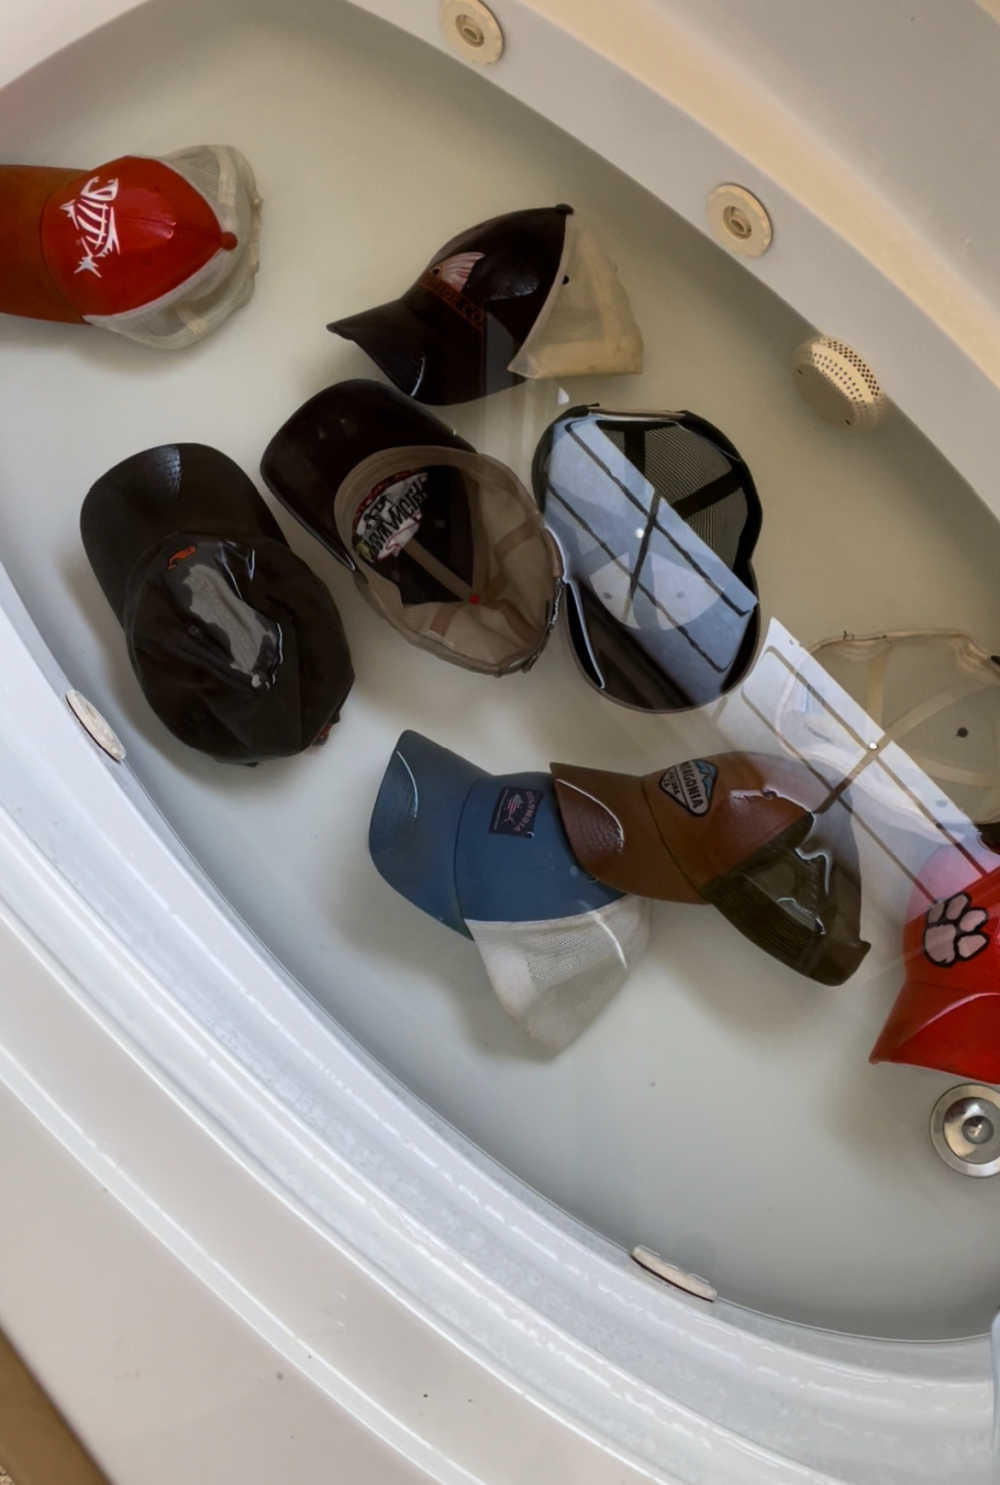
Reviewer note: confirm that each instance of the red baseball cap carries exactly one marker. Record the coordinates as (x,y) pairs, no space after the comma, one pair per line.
(159,250)
(947,1014)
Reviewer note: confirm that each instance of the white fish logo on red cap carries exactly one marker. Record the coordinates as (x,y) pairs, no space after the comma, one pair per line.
(93,215)
(456,269)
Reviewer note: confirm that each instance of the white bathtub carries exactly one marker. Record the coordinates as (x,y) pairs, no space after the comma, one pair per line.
(298,1085)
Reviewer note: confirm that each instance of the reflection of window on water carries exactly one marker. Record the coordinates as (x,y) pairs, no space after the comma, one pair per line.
(915,766)
(657,517)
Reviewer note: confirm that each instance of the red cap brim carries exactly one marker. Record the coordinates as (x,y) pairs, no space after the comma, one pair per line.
(943,1027)
(26,286)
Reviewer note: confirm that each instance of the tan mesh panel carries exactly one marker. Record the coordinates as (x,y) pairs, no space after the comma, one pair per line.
(586,325)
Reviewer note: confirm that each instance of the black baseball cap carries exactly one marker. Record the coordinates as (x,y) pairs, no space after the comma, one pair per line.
(657,516)
(452,335)
(237,645)
(312,454)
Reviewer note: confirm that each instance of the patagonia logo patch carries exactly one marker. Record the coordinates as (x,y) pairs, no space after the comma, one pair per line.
(691,784)
(389,516)
(515,811)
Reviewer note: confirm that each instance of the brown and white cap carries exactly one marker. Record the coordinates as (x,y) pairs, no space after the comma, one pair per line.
(450,548)
(758,837)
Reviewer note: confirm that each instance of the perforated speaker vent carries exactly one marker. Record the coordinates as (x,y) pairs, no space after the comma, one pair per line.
(838,384)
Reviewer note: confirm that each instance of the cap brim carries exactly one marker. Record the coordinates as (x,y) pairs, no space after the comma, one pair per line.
(310,456)
(26,285)
(614,835)
(429,352)
(414,825)
(938,1027)
(187,487)
(394,339)
(617,662)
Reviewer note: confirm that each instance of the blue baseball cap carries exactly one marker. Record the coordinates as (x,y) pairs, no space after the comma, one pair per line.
(487,855)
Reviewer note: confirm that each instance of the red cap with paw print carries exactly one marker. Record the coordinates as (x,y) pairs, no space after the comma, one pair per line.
(947,1015)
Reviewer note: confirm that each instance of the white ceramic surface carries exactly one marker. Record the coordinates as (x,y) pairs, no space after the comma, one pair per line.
(722,1111)
(738,1128)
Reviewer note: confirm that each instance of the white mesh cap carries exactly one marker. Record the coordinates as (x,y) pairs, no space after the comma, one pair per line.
(554,977)
(198,306)
(586,324)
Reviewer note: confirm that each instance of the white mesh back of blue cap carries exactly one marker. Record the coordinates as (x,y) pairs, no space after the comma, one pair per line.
(553,977)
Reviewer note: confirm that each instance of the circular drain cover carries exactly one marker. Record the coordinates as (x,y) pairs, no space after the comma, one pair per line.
(965,1129)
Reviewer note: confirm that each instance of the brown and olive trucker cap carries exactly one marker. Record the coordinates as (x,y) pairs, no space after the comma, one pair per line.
(758,837)
(674,832)
(450,547)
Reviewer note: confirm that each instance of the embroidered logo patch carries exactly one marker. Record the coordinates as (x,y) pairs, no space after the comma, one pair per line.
(690,784)
(515,811)
(389,516)
(447,280)
(953,930)
(456,269)
(93,215)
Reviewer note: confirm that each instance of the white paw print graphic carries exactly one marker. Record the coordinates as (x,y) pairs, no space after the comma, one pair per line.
(952,930)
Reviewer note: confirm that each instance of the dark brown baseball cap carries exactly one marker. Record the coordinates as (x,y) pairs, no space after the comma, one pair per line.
(758,837)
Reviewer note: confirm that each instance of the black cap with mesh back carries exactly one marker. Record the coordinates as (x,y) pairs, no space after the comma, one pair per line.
(657,516)
(237,645)
(452,335)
